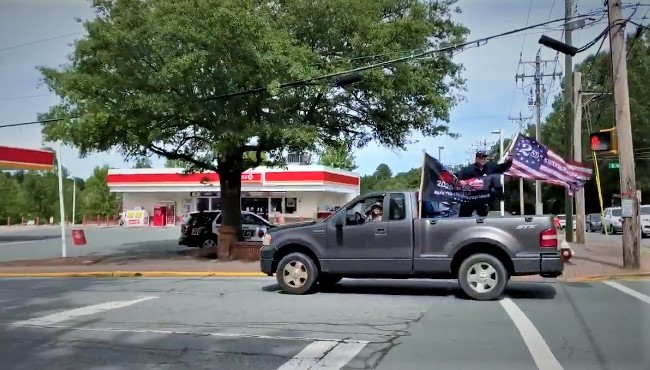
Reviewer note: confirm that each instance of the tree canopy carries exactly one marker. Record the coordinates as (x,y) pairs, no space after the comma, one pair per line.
(337,154)
(206,81)
(35,194)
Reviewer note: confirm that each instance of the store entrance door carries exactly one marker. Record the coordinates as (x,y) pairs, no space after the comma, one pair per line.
(260,206)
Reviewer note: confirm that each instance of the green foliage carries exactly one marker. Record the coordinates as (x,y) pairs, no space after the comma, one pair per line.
(599,114)
(175,163)
(163,77)
(143,162)
(35,194)
(383,180)
(338,154)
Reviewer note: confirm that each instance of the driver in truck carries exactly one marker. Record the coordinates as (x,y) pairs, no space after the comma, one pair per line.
(375,212)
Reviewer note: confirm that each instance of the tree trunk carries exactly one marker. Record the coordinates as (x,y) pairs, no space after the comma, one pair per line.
(230,186)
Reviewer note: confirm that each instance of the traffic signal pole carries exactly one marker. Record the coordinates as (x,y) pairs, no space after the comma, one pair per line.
(629,201)
(569,109)
(579,195)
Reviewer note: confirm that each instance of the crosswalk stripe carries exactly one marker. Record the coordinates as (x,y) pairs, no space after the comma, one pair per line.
(630,291)
(539,350)
(339,356)
(309,356)
(76,312)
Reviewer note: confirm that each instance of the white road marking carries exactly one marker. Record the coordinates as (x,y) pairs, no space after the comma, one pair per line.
(309,356)
(76,312)
(196,333)
(339,356)
(324,355)
(542,354)
(630,291)
(15,243)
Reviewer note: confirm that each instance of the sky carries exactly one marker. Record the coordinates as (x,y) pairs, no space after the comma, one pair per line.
(40,32)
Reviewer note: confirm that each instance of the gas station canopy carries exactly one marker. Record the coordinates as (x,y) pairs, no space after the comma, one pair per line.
(26,159)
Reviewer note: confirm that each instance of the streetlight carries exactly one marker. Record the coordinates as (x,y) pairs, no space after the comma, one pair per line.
(502,205)
(74,197)
(440,148)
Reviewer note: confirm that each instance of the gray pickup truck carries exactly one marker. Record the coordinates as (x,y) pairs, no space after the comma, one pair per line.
(482,253)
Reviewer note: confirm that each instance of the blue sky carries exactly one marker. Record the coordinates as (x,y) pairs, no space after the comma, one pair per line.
(491,97)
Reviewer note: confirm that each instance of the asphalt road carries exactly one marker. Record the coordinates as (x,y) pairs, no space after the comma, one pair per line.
(95,324)
(45,242)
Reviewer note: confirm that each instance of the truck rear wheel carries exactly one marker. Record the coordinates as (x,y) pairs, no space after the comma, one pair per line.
(482,277)
(296,273)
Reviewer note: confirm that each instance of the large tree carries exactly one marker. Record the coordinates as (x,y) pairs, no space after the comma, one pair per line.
(337,154)
(206,81)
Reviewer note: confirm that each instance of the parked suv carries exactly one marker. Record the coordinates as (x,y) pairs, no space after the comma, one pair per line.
(612,221)
(201,228)
(592,222)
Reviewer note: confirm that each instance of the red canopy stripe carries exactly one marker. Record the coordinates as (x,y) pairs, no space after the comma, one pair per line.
(26,159)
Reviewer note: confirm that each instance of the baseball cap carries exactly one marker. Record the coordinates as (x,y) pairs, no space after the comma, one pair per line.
(481,153)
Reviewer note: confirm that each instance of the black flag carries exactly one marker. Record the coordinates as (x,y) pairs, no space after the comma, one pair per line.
(441,192)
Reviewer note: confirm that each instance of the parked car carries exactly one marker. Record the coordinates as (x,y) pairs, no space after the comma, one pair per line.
(645,220)
(482,253)
(201,228)
(593,222)
(612,221)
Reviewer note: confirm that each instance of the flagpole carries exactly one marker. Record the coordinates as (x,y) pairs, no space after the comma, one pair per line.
(424,161)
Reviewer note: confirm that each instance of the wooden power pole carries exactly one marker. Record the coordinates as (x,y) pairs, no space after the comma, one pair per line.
(629,201)
(568,112)
(577,155)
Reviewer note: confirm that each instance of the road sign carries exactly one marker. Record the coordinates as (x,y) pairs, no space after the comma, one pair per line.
(613,165)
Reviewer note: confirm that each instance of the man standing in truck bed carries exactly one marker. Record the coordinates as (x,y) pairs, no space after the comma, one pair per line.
(481,167)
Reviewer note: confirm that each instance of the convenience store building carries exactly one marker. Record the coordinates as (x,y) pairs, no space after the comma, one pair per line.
(295,192)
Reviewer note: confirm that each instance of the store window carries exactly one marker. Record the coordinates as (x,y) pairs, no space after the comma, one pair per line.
(290,205)
(202,204)
(215,203)
(276,205)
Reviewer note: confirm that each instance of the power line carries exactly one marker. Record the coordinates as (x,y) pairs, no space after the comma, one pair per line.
(39,41)
(477,42)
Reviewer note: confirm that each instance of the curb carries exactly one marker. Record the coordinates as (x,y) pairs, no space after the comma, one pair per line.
(623,276)
(127,274)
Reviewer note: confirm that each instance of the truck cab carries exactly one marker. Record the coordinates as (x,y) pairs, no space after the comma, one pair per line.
(482,252)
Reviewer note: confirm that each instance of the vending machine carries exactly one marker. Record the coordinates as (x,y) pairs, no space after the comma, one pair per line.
(159,216)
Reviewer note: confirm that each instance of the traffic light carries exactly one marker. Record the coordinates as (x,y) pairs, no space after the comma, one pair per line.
(604,141)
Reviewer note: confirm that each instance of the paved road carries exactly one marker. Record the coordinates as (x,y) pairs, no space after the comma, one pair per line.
(246,324)
(45,242)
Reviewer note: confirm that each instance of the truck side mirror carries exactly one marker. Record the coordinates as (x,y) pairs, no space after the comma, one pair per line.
(338,221)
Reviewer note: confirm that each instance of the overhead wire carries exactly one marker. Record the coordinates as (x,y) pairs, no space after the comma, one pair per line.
(39,41)
(467,44)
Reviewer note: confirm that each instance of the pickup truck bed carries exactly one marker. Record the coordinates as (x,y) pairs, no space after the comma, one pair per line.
(482,253)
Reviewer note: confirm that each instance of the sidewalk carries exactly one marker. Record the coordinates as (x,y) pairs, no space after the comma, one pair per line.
(597,261)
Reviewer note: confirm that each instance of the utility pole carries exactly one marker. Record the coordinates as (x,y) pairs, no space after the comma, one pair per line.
(521,121)
(629,201)
(538,76)
(577,155)
(568,113)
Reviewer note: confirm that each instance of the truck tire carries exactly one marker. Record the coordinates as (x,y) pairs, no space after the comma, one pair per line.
(482,277)
(296,273)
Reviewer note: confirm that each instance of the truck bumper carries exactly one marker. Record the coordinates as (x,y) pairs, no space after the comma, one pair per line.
(266,259)
(545,265)
(266,266)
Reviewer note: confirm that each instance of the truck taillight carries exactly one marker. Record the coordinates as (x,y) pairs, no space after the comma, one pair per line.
(266,240)
(548,238)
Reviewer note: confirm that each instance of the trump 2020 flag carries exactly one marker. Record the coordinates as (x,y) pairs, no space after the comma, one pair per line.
(441,192)
(532,160)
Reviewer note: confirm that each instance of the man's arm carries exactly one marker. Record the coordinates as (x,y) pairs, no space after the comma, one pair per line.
(503,167)
(465,173)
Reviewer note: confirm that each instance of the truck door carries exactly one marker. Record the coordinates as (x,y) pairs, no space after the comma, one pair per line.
(368,247)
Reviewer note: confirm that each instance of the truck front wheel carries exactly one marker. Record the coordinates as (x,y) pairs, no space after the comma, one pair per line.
(482,277)
(296,273)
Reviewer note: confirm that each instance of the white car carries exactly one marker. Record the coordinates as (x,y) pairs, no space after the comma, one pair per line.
(645,220)
(201,229)
(612,221)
